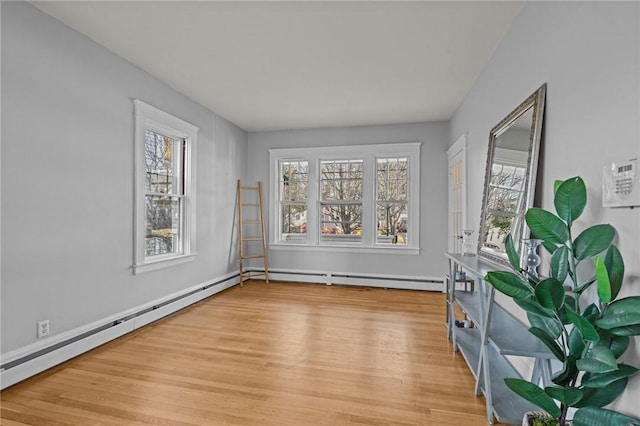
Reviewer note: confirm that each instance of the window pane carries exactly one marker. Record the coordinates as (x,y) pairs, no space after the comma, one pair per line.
(293,180)
(162,225)
(392,179)
(294,222)
(393,223)
(341,180)
(293,191)
(161,161)
(341,223)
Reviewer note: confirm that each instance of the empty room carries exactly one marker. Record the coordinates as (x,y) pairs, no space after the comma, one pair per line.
(320,212)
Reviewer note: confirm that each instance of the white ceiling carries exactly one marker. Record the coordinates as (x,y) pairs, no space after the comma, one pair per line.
(270,65)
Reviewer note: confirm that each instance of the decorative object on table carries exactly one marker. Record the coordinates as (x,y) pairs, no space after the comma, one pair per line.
(532,258)
(467,245)
(586,341)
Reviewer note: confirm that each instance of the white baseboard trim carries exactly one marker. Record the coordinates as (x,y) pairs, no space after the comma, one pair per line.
(20,364)
(349,278)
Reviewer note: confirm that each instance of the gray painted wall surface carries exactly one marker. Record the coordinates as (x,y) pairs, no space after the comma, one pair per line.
(589,55)
(67,180)
(433,188)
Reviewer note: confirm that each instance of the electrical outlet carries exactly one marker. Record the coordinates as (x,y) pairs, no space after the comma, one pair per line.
(43,329)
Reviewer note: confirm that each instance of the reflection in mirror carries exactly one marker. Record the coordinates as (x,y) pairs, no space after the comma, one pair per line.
(510,177)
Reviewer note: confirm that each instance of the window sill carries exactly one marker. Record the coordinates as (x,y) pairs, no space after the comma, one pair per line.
(401,251)
(163,263)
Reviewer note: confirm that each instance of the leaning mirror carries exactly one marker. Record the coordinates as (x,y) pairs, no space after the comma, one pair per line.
(510,177)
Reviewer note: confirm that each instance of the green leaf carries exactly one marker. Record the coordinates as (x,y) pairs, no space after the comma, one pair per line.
(565,394)
(602,277)
(595,416)
(549,342)
(617,344)
(568,373)
(592,241)
(550,325)
(630,330)
(547,226)
(576,344)
(534,394)
(599,359)
(621,313)
(512,253)
(550,247)
(587,331)
(560,264)
(532,306)
(601,380)
(508,283)
(556,185)
(600,397)
(615,266)
(550,294)
(570,199)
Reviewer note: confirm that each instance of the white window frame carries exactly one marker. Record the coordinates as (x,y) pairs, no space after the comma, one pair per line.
(369,154)
(151,118)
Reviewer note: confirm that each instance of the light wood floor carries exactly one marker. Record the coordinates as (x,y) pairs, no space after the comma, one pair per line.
(282,354)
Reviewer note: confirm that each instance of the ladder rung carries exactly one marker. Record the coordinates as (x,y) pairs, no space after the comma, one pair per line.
(252,239)
(255,256)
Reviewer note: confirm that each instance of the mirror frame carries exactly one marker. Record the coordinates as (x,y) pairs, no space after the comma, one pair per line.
(537,102)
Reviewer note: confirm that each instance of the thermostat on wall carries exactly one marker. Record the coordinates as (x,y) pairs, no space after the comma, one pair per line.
(620,186)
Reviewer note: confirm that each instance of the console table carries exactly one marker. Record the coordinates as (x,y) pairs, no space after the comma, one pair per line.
(495,334)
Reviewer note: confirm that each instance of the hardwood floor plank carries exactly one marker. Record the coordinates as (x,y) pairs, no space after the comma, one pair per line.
(282,354)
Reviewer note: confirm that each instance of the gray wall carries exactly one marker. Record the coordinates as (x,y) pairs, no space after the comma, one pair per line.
(67,180)
(589,54)
(433,188)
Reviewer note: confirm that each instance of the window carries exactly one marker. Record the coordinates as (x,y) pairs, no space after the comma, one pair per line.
(354,198)
(341,200)
(164,201)
(293,181)
(392,200)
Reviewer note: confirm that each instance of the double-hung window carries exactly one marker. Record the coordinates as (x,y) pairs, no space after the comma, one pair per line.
(353,198)
(165,203)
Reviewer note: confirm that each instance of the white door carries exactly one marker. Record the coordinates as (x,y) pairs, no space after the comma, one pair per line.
(457,193)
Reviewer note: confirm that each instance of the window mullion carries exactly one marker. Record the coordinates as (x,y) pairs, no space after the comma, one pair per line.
(368,201)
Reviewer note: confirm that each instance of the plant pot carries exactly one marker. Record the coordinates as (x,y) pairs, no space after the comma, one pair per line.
(530,416)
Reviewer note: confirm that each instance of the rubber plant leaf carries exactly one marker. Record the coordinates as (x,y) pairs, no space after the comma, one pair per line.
(592,241)
(550,325)
(596,416)
(531,305)
(599,359)
(533,394)
(512,253)
(565,394)
(587,331)
(549,342)
(547,226)
(508,283)
(630,330)
(621,313)
(568,373)
(615,266)
(560,263)
(570,199)
(604,285)
(599,397)
(602,380)
(550,294)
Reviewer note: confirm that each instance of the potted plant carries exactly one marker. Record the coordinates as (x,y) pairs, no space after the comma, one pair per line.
(587,340)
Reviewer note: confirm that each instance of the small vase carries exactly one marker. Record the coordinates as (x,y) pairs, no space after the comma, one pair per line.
(467,244)
(533,259)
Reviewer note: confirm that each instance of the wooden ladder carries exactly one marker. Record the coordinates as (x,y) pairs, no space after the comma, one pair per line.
(248,234)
